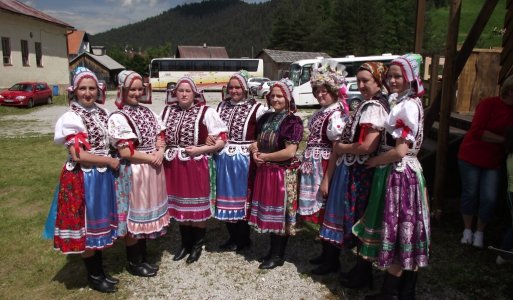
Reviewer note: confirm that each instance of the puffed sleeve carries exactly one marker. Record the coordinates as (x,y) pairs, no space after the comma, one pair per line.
(336,123)
(68,125)
(291,129)
(214,123)
(119,129)
(403,121)
(374,115)
(262,109)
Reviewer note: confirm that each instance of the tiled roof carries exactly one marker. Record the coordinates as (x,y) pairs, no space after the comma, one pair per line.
(103,60)
(75,39)
(18,7)
(201,52)
(281,56)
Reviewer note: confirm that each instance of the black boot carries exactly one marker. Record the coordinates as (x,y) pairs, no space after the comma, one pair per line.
(197,247)
(388,290)
(231,243)
(331,261)
(142,248)
(320,258)
(135,264)
(272,247)
(95,276)
(407,285)
(243,233)
(108,278)
(277,257)
(186,236)
(359,276)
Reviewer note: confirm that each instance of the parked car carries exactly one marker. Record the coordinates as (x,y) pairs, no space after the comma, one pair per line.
(354,97)
(255,82)
(26,94)
(263,90)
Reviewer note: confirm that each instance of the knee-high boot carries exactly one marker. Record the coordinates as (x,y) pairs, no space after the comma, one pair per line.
(331,262)
(359,276)
(187,240)
(407,285)
(144,254)
(389,290)
(95,275)
(135,264)
(108,278)
(231,243)
(320,258)
(243,235)
(197,247)
(277,251)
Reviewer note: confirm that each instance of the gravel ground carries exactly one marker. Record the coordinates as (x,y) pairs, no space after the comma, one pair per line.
(219,275)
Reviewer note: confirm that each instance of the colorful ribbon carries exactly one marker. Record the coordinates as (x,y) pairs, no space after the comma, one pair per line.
(79,138)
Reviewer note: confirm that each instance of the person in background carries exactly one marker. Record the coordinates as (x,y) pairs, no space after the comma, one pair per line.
(142,200)
(234,166)
(405,234)
(189,168)
(480,157)
(274,201)
(317,165)
(86,219)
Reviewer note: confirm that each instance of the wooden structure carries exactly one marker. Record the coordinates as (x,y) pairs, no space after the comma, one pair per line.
(277,62)
(507,48)
(201,52)
(103,66)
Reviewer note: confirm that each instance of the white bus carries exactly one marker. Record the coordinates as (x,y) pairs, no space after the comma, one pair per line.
(207,73)
(300,72)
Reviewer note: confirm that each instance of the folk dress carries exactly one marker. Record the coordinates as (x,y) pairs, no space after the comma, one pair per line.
(274,201)
(141,187)
(351,181)
(191,180)
(86,203)
(325,126)
(234,167)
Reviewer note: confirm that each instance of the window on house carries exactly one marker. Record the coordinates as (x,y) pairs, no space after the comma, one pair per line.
(6,51)
(24,53)
(39,54)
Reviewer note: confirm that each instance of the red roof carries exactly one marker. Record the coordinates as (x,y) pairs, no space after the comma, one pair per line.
(17,7)
(75,39)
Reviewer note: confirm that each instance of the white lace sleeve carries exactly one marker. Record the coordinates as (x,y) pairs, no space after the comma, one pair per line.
(262,109)
(119,129)
(403,121)
(375,115)
(214,123)
(337,122)
(68,124)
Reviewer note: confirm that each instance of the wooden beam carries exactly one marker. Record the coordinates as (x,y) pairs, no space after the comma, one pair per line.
(448,95)
(419,29)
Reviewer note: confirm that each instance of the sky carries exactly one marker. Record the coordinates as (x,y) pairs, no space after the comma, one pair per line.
(94,16)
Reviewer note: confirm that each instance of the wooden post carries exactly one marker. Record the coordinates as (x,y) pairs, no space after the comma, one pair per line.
(433,80)
(419,28)
(448,94)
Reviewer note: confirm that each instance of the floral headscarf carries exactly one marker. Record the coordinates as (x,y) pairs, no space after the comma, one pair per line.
(198,94)
(285,85)
(410,68)
(125,80)
(81,73)
(330,74)
(377,69)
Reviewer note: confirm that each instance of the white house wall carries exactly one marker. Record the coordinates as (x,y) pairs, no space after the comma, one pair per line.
(55,69)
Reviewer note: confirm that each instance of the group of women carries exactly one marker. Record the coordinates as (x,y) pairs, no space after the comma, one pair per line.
(359,177)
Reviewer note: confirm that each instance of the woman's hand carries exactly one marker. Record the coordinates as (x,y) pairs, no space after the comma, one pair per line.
(211,140)
(324,188)
(114,163)
(158,157)
(253,147)
(372,162)
(192,151)
(160,143)
(258,157)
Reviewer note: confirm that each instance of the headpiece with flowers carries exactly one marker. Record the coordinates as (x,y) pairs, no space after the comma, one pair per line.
(328,73)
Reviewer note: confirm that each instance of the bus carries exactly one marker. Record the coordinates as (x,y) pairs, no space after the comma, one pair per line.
(300,72)
(209,74)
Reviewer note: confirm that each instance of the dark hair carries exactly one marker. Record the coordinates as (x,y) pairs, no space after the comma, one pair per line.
(508,140)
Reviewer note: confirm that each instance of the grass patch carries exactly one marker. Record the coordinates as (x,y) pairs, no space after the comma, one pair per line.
(10,110)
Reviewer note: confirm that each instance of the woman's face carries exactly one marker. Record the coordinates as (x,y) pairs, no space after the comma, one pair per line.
(367,85)
(87,92)
(323,96)
(277,99)
(134,93)
(395,79)
(185,95)
(235,90)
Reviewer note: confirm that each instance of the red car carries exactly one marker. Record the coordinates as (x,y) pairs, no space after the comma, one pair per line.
(26,94)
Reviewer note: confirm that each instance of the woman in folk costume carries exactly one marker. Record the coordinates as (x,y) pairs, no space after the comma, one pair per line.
(189,168)
(142,200)
(234,168)
(274,200)
(350,185)
(405,229)
(86,220)
(325,127)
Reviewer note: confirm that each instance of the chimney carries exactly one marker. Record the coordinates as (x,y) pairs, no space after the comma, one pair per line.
(204,45)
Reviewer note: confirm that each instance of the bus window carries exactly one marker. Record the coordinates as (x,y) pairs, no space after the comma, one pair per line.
(250,65)
(305,75)
(216,65)
(201,65)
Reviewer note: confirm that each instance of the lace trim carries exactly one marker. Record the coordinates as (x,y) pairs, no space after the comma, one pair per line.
(172,153)
(317,152)
(233,149)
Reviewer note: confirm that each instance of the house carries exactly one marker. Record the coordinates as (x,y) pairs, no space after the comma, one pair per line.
(78,43)
(277,62)
(100,63)
(201,52)
(34,46)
